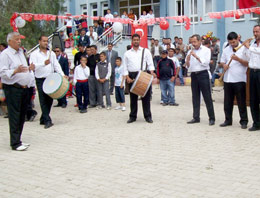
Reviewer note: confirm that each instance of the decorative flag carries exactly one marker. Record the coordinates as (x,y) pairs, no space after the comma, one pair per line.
(248,3)
(141,29)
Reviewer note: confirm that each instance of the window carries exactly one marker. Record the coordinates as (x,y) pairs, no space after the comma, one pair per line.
(104,8)
(236,6)
(194,11)
(83,8)
(207,8)
(94,10)
(180,7)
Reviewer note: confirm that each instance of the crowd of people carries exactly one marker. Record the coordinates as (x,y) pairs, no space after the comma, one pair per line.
(105,74)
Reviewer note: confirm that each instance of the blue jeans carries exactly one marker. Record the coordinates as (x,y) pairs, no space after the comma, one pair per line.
(181,76)
(82,91)
(120,95)
(168,91)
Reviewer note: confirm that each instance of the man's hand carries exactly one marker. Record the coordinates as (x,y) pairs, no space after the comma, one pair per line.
(47,62)
(21,69)
(234,57)
(172,79)
(247,44)
(121,86)
(225,66)
(129,80)
(66,77)
(32,67)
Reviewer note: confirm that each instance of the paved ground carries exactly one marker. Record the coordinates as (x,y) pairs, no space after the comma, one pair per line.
(98,155)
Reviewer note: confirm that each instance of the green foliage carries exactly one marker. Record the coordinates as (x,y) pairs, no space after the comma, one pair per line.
(32,30)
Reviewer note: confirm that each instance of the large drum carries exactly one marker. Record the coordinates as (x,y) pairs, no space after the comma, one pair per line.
(56,86)
(142,83)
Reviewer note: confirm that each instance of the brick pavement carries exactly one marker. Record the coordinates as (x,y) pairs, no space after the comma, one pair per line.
(98,155)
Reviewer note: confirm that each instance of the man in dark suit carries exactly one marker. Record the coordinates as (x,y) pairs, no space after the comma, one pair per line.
(84,39)
(64,63)
(111,58)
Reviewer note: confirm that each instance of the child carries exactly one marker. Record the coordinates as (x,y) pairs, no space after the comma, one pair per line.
(119,85)
(81,75)
(103,73)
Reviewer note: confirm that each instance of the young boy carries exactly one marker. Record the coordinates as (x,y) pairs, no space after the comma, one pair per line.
(119,84)
(103,73)
(166,73)
(81,75)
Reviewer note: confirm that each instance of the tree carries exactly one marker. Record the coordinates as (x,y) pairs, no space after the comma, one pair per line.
(32,30)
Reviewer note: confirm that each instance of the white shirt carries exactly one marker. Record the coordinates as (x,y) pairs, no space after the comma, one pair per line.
(80,73)
(175,61)
(204,54)
(236,71)
(254,54)
(144,17)
(107,16)
(132,60)
(70,23)
(108,73)
(94,34)
(150,16)
(156,50)
(41,70)
(119,73)
(11,59)
(165,46)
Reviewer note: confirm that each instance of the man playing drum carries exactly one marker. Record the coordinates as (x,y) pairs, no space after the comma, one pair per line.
(132,64)
(46,63)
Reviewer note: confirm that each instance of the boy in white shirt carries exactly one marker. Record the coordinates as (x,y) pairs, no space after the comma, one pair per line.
(81,75)
(119,84)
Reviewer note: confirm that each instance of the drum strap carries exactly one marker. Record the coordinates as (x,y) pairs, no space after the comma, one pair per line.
(142,61)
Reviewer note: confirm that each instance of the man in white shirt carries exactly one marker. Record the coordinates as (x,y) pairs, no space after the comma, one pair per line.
(132,64)
(93,37)
(16,77)
(198,60)
(46,63)
(234,80)
(254,65)
(150,15)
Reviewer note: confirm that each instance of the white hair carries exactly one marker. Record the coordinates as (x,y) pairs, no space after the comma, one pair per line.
(11,35)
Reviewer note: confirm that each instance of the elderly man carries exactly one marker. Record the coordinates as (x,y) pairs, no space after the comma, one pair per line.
(16,77)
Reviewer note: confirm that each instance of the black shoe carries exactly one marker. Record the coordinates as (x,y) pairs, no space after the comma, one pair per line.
(174,104)
(6,116)
(42,123)
(83,111)
(164,104)
(48,125)
(253,128)
(91,106)
(224,124)
(149,120)
(111,93)
(33,117)
(57,105)
(243,126)
(131,120)
(211,122)
(193,121)
(63,106)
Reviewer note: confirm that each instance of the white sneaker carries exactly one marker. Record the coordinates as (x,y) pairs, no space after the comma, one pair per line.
(26,144)
(21,148)
(98,107)
(118,107)
(123,108)
(161,102)
(108,107)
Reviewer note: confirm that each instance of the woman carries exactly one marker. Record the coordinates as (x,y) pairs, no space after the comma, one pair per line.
(76,38)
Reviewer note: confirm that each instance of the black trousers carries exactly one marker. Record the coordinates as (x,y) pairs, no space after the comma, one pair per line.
(30,111)
(230,91)
(45,102)
(134,101)
(82,91)
(112,79)
(200,84)
(62,101)
(255,96)
(17,100)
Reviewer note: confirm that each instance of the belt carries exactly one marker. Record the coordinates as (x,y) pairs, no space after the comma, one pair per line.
(20,86)
(255,70)
(198,72)
(82,81)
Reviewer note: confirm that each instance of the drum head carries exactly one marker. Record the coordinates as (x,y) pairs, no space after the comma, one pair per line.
(52,83)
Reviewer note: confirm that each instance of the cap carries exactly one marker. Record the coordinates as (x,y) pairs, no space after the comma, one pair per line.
(164,52)
(115,13)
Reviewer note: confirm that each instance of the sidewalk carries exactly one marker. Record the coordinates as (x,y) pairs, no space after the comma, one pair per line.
(98,155)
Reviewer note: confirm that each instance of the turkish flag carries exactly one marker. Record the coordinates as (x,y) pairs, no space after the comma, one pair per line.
(141,29)
(247,3)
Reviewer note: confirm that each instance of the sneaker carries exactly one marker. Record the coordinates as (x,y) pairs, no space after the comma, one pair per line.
(174,104)
(83,111)
(98,107)
(26,144)
(108,107)
(21,148)
(164,104)
(161,102)
(118,107)
(123,108)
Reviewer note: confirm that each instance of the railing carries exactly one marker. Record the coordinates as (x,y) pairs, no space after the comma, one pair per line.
(49,40)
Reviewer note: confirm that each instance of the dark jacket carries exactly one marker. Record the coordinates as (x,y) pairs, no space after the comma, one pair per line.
(153,49)
(77,58)
(92,62)
(85,42)
(165,69)
(64,63)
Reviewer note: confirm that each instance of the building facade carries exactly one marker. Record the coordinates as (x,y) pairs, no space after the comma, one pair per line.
(195,9)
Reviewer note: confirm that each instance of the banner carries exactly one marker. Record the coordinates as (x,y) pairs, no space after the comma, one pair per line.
(141,29)
(248,3)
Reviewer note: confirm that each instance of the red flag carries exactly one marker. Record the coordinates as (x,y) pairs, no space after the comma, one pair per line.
(247,3)
(141,29)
